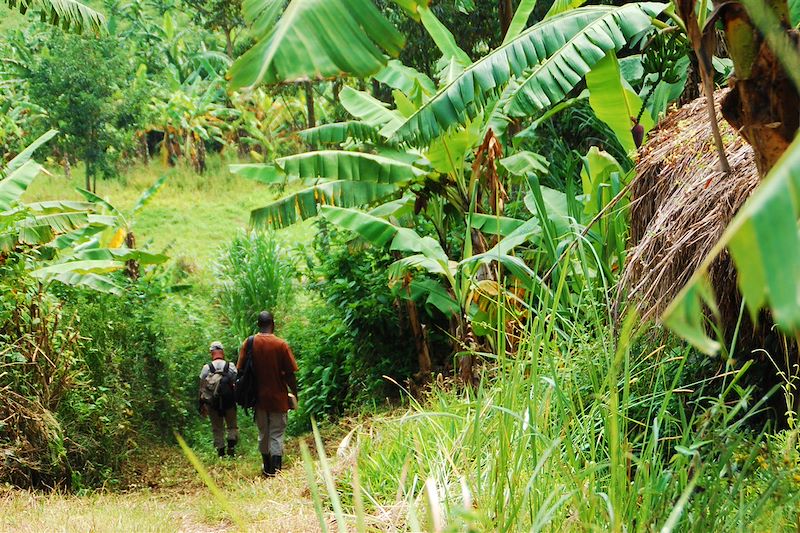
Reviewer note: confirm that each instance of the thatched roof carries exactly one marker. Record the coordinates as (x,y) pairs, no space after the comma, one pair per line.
(680,205)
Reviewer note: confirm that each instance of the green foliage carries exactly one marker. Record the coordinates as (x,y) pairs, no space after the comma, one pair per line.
(547,60)
(351,334)
(69,14)
(89,90)
(255,274)
(362,31)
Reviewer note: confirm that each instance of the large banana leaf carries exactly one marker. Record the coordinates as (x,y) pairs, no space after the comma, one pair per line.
(549,59)
(69,14)
(332,165)
(119,254)
(317,39)
(304,204)
(25,155)
(614,102)
(340,132)
(14,185)
(383,233)
(95,282)
(98,266)
(370,110)
(261,15)
(764,243)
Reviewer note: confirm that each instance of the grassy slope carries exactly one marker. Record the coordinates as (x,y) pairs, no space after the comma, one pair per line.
(191,217)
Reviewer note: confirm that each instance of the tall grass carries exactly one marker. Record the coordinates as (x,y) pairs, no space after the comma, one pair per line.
(254,274)
(577,432)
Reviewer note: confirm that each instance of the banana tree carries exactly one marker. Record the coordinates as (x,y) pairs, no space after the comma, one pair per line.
(59,238)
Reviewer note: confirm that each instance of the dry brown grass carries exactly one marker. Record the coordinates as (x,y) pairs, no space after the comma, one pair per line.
(680,205)
(171,500)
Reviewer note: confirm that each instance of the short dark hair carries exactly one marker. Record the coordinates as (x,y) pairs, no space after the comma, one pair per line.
(265,319)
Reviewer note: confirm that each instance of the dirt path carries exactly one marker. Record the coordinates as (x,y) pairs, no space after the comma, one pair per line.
(171,498)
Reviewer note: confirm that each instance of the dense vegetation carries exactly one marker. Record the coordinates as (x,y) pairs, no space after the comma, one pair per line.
(452,209)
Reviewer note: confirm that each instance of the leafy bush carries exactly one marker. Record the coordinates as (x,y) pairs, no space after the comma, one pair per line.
(350,334)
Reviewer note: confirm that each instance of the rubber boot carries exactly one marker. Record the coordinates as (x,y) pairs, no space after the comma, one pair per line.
(221,452)
(267,469)
(277,463)
(231,448)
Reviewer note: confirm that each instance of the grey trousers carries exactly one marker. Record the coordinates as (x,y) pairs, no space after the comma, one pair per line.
(218,424)
(271,427)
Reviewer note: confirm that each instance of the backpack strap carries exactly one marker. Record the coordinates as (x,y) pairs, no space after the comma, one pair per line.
(227,367)
(211,369)
(250,342)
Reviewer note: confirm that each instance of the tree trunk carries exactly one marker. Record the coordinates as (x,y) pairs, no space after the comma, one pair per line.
(420,339)
(506,11)
(312,120)
(228,42)
(131,266)
(763,103)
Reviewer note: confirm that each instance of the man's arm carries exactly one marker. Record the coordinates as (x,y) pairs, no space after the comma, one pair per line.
(289,369)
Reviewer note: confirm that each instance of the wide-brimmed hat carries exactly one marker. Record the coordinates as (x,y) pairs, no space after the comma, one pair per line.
(216,345)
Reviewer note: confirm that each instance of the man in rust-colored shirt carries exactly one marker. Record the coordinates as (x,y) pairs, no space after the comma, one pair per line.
(274,368)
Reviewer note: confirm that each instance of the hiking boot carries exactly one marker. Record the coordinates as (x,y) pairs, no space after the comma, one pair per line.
(231,448)
(277,463)
(267,469)
(221,452)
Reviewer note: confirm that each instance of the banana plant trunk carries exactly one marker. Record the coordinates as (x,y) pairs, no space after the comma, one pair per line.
(420,339)
(763,103)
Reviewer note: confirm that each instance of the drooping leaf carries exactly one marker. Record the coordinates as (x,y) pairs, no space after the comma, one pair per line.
(370,110)
(25,155)
(523,162)
(414,262)
(550,58)
(69,14)
(14,185)
(614,102)
(765,246)
(382,233)
(318,39)
(434,294)
(95,282)
(100,266)
(343,165)
(340,132)
(304,204)
(493,225)
(398,76)
(57,222)
(521,15)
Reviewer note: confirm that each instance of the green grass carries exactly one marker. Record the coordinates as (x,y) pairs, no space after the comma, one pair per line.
(576,432)
(191,217)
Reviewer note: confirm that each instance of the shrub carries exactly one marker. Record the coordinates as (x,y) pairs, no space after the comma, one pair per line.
(351,333)
(255,274)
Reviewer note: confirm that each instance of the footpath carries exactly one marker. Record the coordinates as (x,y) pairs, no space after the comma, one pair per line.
(167,495)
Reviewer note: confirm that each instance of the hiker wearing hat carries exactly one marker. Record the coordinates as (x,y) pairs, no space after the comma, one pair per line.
(218,400)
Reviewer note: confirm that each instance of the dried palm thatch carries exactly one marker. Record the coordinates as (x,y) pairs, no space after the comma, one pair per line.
(680,205)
